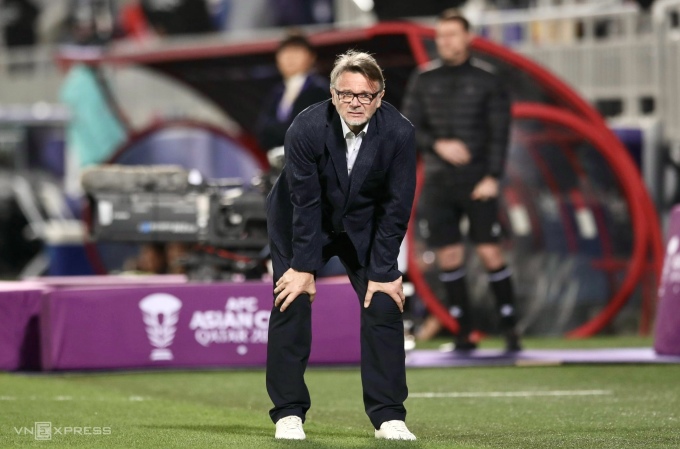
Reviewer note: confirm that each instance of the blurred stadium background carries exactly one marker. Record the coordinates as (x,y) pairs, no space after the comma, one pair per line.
(592,178)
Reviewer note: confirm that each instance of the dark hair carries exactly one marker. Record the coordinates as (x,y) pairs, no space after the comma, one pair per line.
(453,15)
(358,62)
(295,39)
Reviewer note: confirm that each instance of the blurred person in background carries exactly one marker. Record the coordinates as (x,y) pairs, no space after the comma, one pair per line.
(398,9)
(299,88)
(91,22)
(461,112)
(347,190)
(159,258)
(18,19)
(151,259)
(133,22)
(301,12)
(176,255)
(176,17)
(147,19)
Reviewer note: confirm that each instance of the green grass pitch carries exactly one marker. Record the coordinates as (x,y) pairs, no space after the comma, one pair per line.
(635,407)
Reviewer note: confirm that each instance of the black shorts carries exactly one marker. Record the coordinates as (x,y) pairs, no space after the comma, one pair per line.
(440,211)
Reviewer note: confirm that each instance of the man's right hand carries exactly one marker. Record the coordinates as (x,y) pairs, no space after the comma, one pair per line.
(453,151)
(291,285)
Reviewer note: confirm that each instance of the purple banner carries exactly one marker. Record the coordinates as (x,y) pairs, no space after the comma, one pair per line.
(667,338)
(195,325)
(20,306)
(19,329)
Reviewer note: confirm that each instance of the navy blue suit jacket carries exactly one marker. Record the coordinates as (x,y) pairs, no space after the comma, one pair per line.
(314,199)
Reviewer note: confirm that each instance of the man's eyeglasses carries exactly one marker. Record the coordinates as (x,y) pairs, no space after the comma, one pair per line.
(347,97)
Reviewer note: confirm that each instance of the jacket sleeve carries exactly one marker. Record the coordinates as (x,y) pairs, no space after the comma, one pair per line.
(498,116)
(414,110)
(305,196)
(393,213)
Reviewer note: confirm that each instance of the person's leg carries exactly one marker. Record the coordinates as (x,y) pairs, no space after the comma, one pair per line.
(484,215)
(451,262)
(383,359)
(500,282)
(440,214)
(288,347)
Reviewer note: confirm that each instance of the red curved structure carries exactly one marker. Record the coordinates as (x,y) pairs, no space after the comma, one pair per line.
(647,236)
(614,153)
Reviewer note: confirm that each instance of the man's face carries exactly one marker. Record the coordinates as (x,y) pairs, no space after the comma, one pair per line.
(294,60)
(452,41)
(354,113)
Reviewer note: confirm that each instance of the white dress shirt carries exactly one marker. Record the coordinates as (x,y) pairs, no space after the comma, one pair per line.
(353,144)
(293,87)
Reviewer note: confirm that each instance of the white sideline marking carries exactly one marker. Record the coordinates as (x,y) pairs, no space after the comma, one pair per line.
(71,398)
(510,394)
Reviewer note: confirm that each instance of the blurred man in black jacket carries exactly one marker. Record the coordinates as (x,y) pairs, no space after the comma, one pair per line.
(19,18)
(461,112)
(299,89)
(171,18)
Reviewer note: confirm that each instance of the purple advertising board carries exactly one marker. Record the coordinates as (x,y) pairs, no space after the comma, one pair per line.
(20,307)
(667,334)
(182,326)
(19,330)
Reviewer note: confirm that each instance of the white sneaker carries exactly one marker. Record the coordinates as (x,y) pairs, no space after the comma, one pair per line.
(394,430)
(289,428)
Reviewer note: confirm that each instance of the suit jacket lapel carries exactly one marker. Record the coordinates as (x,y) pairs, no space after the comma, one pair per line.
(364,162)
(337,147)
(300,98)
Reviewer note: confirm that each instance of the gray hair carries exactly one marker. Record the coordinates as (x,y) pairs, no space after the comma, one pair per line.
(358,62)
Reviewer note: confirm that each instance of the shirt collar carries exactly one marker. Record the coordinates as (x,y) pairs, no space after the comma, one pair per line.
(345,130)
(295,81)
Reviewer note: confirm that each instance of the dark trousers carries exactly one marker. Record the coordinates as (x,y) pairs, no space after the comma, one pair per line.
(383,372)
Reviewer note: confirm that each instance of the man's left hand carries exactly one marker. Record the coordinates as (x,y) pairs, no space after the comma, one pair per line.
(394,289)
(485,189)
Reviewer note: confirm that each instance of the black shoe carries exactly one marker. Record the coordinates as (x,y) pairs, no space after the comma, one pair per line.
(512,342)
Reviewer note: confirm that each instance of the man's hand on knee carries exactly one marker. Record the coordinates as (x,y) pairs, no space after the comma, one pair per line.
(394,289)
(291,285)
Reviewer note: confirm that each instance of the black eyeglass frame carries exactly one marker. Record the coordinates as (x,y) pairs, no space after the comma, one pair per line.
(358,96)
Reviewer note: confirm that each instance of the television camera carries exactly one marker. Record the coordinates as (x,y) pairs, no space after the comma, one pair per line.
(221,221)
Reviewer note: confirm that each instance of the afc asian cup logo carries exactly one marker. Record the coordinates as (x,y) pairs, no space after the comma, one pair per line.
(161,313)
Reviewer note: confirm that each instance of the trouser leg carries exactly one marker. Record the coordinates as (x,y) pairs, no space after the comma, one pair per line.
(288,347)
(383,369)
